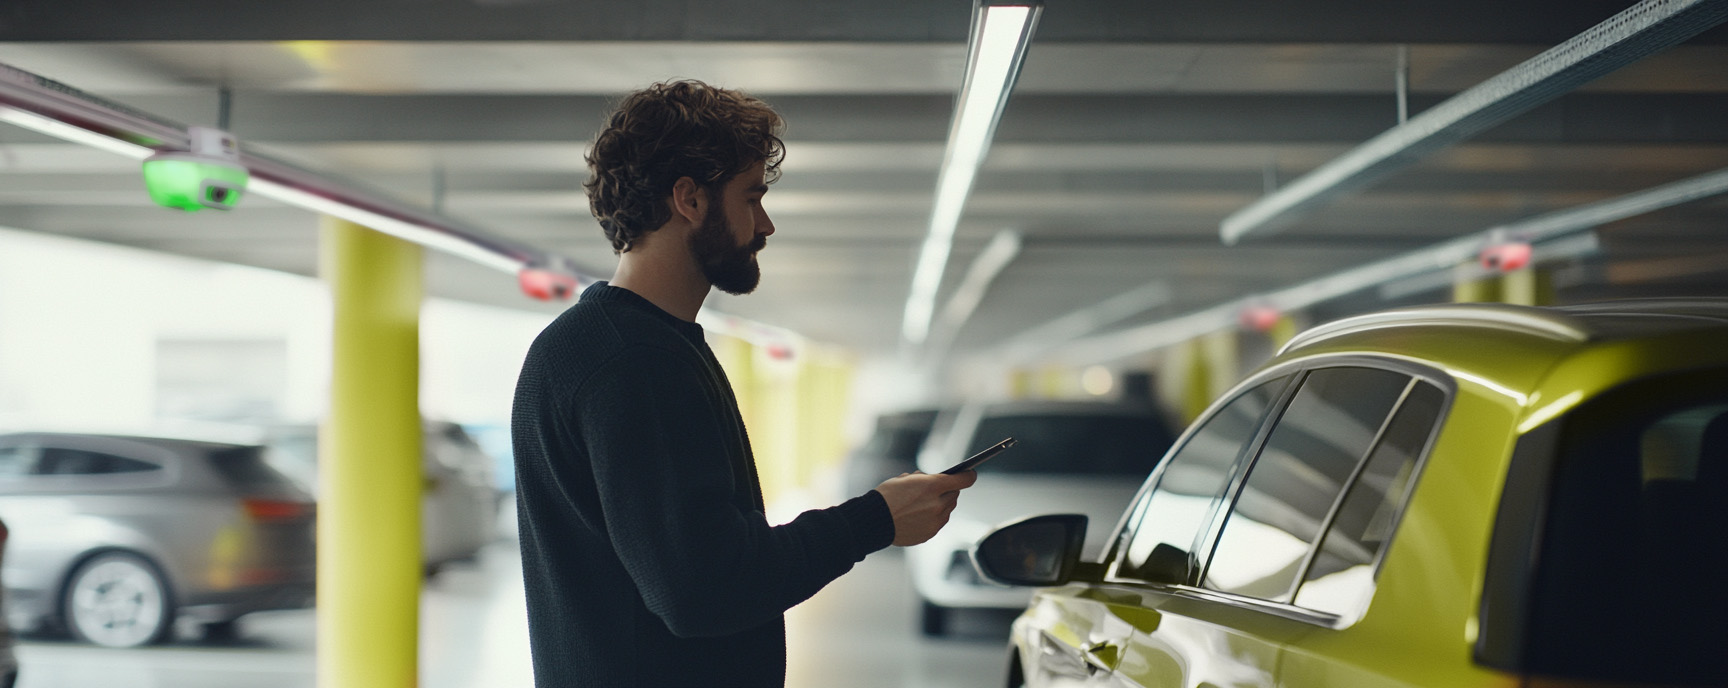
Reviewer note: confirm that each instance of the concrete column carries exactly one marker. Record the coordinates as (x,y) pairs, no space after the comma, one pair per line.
(371,481)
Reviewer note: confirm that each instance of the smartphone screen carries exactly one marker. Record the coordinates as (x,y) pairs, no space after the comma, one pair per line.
(980,457)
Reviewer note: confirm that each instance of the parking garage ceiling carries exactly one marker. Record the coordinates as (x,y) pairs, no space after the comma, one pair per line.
(1135,129)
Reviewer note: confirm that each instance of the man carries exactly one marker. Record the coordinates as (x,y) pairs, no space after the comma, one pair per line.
(646,555)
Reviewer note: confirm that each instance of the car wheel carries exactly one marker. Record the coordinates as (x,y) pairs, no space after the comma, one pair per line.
(933,619)
(118,600)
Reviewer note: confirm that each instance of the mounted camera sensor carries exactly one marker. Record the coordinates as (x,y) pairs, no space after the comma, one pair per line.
(209,175)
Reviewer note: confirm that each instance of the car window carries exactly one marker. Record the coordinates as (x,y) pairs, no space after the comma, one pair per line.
(1307,461)
(65,461)
(1340,579)
(17,460)
(245,467)
(1627,581)
(1165,524)
(1126,445)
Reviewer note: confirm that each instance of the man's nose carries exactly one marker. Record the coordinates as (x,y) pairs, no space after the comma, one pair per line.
(764,226)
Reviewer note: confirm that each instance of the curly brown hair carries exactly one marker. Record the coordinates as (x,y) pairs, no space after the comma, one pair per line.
(668,131)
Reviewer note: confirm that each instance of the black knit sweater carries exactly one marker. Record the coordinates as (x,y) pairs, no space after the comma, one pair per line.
(646,555)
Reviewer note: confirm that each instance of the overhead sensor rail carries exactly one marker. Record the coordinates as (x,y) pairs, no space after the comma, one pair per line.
(1644,29)
(1545,228)
(50,107)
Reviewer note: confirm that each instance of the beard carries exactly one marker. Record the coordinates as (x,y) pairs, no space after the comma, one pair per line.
(729,266)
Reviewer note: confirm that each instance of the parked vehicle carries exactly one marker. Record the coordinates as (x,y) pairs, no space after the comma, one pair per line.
(1475,495)
(113,537)
(1085,456)
(892,449)
(459,514)
(8,661)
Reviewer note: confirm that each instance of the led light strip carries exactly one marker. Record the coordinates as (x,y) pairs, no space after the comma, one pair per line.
(999,39)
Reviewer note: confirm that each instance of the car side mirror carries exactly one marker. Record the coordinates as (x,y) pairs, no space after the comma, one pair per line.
(1039,551)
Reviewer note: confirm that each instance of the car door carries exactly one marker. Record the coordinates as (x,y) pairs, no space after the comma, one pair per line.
(1087,631)
(1221,612)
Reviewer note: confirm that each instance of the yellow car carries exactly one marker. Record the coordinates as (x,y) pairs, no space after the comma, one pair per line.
(1462,495)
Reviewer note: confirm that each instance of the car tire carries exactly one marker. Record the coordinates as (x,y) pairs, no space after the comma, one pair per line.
(933,619)
(118,599)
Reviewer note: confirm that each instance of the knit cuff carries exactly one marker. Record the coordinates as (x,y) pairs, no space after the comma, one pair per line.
(869,521)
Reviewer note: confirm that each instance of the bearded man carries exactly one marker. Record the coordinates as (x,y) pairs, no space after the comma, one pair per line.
(647,557)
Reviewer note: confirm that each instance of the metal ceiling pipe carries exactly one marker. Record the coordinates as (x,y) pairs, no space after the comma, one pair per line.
(50,107)
(1644,29)
(1443,256)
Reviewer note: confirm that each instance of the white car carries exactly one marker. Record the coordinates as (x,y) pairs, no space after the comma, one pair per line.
(1076,457)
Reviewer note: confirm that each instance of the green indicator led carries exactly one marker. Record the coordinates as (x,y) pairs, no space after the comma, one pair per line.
(190,182)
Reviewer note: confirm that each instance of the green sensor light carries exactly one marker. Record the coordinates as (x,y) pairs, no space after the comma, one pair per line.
(208,176)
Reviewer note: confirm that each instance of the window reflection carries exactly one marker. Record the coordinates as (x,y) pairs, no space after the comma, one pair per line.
(1291,487)
(1166,523)
(1341,578)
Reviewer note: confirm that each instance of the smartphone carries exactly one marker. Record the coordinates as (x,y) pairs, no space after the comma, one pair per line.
(980,457)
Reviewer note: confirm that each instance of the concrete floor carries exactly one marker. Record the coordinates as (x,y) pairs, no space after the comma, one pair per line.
(859,632)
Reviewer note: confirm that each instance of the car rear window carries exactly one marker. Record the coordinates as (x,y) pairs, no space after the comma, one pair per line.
(1074,444)
(1628,580)
(244,467)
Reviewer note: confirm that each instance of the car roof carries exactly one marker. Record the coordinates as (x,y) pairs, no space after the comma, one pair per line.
(1560,327)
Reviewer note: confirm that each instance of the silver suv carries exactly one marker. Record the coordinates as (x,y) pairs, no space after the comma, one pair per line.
(114,537)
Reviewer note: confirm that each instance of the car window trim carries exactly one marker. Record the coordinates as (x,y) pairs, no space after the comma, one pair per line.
(1418,372)
(1298,371)
(1349,484)
(1220,513)
(1111,555)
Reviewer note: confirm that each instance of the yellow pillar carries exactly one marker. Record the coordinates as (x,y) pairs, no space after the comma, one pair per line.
(1479,290)
(1196,381)
(371,481)
(1528,287)
(1282,331)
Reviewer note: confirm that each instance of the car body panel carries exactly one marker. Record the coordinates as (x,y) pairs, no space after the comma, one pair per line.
(1508,374)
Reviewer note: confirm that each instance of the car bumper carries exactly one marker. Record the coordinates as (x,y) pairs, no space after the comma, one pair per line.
(232,604)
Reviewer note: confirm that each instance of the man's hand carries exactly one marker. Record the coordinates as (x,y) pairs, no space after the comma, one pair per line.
(921,503)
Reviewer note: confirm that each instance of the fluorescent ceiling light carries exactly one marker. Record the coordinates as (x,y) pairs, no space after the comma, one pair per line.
(1000,34)
(61,130)
(985,268)
(401,229)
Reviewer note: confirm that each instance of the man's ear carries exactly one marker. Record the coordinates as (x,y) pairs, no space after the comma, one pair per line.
(689,200)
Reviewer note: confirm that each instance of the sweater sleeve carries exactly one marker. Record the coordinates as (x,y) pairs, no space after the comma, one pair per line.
(704,564)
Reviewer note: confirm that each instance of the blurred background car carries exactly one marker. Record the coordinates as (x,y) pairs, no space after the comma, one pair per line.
(1071,456)
(892,449)
(8,662)
(1461,495)
(115,537)
(459,513)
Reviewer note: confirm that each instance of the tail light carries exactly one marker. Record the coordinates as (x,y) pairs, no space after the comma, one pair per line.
(275,510)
